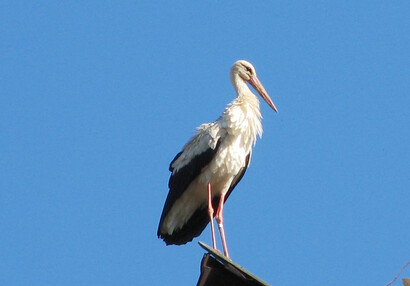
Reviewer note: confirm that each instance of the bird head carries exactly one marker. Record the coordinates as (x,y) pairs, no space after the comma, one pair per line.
(247,73)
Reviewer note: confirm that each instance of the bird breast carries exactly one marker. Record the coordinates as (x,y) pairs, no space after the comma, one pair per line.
(242,118)
(238,128)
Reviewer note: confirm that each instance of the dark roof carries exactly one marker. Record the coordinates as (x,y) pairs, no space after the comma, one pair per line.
(218,270)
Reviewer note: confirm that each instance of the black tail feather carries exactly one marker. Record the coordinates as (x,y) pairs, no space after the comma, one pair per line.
(192,228)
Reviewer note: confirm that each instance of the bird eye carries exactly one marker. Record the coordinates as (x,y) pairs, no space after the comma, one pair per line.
(248,69)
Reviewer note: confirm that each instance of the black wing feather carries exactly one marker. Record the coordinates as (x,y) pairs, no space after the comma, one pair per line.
(180,181)
(200,219)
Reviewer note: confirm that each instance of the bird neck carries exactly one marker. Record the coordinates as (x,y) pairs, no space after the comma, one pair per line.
(243,113)
(240,85)
(244,93)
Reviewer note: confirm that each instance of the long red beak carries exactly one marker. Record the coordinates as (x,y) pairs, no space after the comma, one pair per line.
(257,85)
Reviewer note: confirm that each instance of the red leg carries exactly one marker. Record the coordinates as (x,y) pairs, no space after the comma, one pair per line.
(220,220)
(211,215)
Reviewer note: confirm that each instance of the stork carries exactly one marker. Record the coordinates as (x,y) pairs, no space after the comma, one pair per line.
(212,163)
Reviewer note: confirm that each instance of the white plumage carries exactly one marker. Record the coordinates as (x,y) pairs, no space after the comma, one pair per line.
(217,156)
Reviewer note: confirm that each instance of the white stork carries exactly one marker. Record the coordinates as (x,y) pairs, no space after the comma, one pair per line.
(212,163)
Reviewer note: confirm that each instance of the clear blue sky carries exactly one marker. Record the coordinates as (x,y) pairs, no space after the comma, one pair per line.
(97,97)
